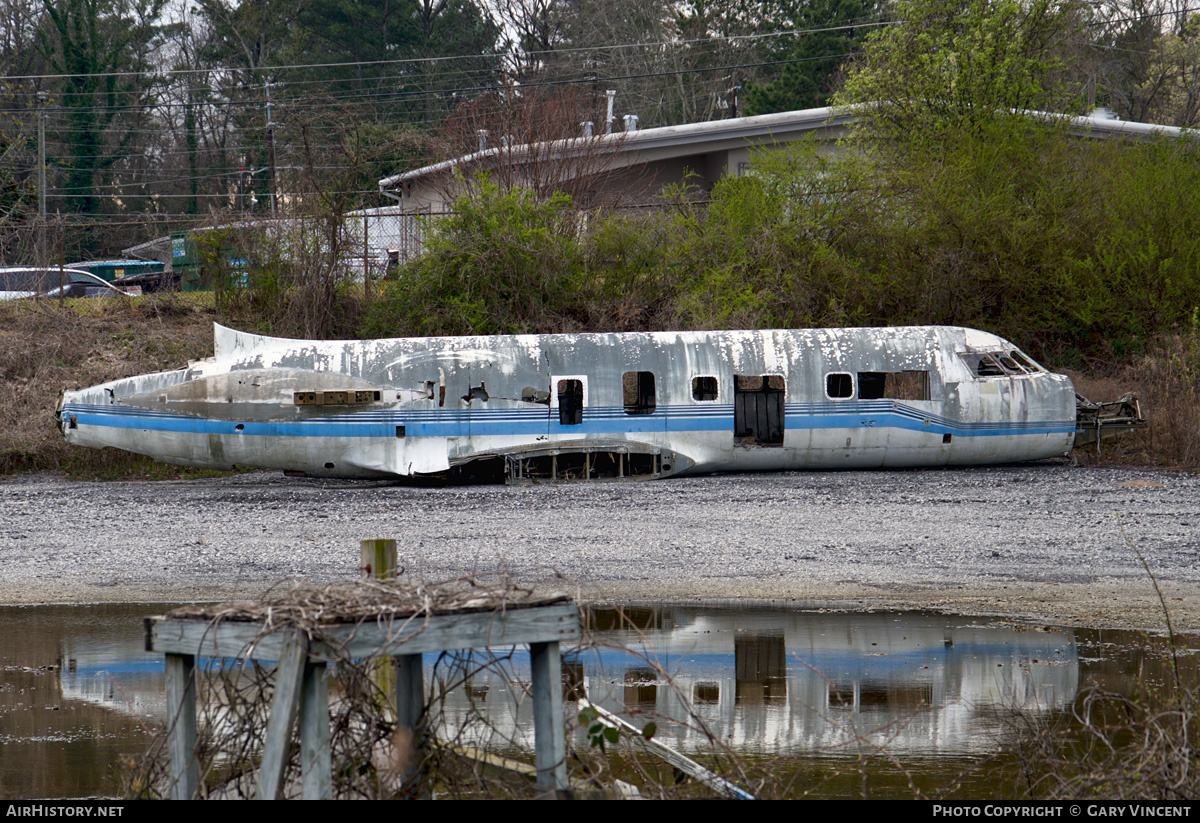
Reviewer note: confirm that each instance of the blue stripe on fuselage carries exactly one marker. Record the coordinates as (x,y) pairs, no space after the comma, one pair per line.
(520,423)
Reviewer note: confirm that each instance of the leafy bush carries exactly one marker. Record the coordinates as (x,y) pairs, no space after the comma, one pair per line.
(503,263)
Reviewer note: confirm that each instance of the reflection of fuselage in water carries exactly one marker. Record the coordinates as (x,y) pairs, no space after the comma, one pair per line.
(589,406)
(786,681)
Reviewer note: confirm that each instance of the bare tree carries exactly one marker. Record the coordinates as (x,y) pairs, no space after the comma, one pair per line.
(536,140)
(1146,61)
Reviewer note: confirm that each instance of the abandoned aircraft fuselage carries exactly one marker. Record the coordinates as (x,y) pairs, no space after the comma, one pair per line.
(578,406)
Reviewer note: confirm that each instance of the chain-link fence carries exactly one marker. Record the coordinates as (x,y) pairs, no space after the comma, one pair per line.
(392,237)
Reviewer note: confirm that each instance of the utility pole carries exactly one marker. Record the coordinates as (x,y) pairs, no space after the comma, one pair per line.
(42,97)
(62,285)
(270,151)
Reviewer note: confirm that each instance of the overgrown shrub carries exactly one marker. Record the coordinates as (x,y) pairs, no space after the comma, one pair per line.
(503,263)
(287,278)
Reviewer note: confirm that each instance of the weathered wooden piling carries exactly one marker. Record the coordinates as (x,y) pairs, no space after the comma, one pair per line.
(380,562)
(379,559)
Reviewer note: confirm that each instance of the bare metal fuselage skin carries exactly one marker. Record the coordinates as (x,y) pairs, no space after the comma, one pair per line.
(574,406)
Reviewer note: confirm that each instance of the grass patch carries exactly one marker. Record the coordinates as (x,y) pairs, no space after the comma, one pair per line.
(1166,379)
(45,349)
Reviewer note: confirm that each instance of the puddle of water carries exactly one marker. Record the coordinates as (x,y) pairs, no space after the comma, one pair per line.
(77,694)
(803,689)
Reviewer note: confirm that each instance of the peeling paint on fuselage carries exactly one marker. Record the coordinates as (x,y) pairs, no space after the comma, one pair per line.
(240,407)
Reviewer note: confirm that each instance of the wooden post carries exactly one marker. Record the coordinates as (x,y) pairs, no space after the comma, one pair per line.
(379,563)
(316,755)
(285,706)
(366,263)
(181,733)
(549,739)
(410,708)
(378,559)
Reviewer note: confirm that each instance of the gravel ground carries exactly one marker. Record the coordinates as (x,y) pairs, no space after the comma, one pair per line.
(1044,542)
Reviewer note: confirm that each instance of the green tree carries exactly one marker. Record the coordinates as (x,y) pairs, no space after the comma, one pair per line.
(414,58)
(16,195)
(103,50)
(249,35)
(818,50)
(962,66)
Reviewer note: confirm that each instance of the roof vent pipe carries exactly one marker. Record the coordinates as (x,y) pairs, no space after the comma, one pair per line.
(611,94)
(587,128)
(631,122)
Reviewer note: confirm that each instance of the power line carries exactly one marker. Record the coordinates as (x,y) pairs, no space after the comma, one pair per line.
(476,56)
(417,94)
(532,54)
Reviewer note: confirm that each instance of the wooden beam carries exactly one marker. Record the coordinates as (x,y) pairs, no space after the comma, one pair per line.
(379,563)
(680,761)
(181,731)
(316,755)
(410,710)
(301,686)
(289,676)
(412,635)
(500,766)
(378,559)
(549,738)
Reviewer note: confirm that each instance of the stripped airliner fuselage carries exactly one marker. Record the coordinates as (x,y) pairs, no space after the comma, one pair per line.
(586,406)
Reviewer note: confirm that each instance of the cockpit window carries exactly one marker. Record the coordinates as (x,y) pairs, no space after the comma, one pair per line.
(982,365)
(999,363)
(1025,362)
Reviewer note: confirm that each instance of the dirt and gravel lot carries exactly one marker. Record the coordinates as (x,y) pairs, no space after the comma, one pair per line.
(1044,542)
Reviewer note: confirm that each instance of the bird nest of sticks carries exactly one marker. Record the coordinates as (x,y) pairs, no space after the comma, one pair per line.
(303,605)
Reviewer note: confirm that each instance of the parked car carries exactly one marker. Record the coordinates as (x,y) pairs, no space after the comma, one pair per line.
(32,281)
(149,281)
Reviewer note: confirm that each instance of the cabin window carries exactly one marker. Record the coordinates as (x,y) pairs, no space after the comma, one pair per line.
(839,385)
(706,691)
(899,385)
(641,686)
(1009,364)
(570,402)
(638,388)
(704,388)
(999,363)
(758,410)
